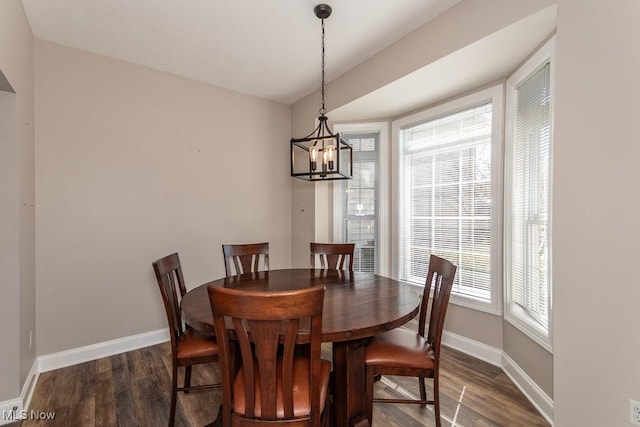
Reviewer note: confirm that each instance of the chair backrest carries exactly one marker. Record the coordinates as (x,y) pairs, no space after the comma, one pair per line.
(245,258)
(440,278)
(171,282)
(332,255)
(267,327)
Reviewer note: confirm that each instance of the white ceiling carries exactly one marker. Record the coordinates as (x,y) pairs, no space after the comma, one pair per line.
(269,49)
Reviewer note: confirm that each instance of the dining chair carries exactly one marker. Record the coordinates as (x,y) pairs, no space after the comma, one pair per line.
(403,352)
(332,255)
(272,385)
(245,258)
(188,347)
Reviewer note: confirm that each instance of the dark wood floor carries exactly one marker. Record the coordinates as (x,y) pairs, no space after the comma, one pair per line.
(132,389)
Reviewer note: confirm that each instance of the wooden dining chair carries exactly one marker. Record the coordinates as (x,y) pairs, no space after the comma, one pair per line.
(245,258)
(332,255)
(402,352)
(274,385)
(188,347)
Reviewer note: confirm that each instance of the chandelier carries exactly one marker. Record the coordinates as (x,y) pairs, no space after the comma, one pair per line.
(321,155)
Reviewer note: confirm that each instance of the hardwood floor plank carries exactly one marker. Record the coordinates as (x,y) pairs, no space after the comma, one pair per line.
(82,412)
(126,414)
(105,398)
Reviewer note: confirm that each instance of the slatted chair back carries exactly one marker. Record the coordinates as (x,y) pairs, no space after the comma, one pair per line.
(333,256)
(172,288)
(440,278)
(245,258)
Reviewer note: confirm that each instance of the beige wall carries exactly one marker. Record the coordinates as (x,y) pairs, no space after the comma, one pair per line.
(134,164)
(17,285)
(530,357)
(9,248)
(596,210)
(458,27)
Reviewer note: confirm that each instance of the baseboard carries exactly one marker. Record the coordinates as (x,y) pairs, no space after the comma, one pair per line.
(87,353)
(473,348)
(10,411)
(538,398)
(30,384)
(14,410)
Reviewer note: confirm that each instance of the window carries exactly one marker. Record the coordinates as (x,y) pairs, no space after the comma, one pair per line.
(528,195)
(449,195)
(357,217)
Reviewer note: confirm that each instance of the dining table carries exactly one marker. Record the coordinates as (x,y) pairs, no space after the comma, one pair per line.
(357,306)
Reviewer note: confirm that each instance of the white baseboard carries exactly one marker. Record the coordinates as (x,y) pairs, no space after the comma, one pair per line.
(538,398)
(87,353)
(10,411)
(13,410)
(30,384)
(473,348)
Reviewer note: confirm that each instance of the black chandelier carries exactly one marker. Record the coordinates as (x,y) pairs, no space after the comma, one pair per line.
(321,155)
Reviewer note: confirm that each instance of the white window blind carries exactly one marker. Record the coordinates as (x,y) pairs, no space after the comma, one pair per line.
(528,245)
(446,198)
(360,200)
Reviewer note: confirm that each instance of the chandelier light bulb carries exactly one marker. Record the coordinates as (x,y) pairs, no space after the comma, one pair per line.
(313,156)
(331,153)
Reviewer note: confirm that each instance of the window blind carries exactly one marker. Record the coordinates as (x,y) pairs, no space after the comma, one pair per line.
(446,198)
(360,212)
(529,242)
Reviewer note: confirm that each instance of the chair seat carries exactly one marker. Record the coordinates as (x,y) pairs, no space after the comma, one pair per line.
(400,348)
(194,344)
(301,404)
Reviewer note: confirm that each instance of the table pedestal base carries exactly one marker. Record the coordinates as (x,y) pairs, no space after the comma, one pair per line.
(349,381)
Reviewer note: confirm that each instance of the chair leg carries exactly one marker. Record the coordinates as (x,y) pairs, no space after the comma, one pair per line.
(423,390)
(436,399)
(187,377)
(326,414)
(174,392)
(368,395)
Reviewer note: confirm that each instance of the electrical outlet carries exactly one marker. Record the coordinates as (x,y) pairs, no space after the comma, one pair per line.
(634,412)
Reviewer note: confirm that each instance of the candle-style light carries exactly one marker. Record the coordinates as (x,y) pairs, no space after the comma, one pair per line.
(313,157)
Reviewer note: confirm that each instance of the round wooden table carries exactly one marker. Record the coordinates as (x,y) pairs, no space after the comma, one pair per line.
(357,306)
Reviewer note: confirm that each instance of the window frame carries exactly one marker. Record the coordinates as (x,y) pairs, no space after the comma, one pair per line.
(517,317)
(495,95)
(383,221)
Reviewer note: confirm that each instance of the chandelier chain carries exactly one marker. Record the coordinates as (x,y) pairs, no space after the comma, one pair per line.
(323,110)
